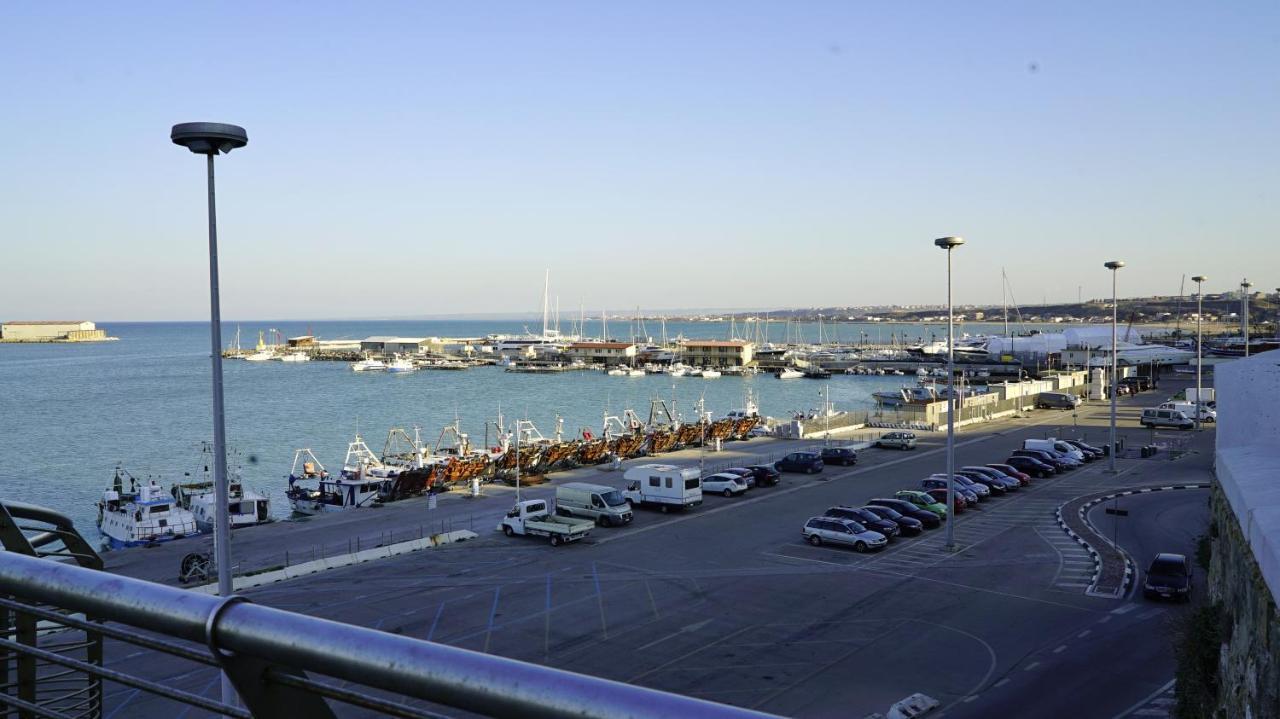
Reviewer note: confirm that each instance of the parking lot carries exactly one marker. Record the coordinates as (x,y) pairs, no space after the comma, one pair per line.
(729,603)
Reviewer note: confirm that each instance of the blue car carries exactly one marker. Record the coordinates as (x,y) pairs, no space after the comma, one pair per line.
(806,462)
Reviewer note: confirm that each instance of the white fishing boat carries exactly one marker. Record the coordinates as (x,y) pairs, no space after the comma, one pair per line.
(295,357)
(314,491)
(245,507)
(710,373)
(260,356)
(142,515)
(401,364)
(789,373)
(369,365)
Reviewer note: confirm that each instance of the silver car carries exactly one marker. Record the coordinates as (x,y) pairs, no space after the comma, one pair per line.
(842,531)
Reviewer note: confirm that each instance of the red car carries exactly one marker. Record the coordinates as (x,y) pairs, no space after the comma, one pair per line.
(941,496)
(1023,478)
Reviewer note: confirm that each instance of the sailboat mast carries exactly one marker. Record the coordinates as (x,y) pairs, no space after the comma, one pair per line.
(1004,281)
(546,289)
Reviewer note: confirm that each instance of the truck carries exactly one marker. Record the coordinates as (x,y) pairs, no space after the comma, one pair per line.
(533,517)
(603,505)
(665,486)
(1206,397)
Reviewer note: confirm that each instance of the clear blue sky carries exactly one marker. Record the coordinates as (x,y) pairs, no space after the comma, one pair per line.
(421,158)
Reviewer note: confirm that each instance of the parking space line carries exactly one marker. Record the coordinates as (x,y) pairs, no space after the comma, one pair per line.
(653,604)
(595,576)
(1060,649)
(493,612)
(546,626)
(435,621)
(686,655)
(1031,666)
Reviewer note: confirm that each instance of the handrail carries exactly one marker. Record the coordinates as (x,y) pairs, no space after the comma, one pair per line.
(239,631)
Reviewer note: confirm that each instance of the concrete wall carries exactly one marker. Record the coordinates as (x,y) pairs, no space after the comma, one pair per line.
(50,330)
(1245,572)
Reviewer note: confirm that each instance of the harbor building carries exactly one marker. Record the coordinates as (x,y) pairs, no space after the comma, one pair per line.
(603,352)
(394,345)
(51,331)
(717,353)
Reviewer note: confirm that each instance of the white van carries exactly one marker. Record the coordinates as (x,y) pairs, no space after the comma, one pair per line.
(1189,409)
(1156,417)
(603,505)
(663,485)
(1057,445)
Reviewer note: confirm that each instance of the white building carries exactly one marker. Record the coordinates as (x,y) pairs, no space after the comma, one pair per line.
(51,330)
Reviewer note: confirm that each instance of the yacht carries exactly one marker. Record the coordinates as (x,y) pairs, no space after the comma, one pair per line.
(789,373)
(922,394)
(678,371)
(616,372)
(295,357)
(401,364)
(633,372)
(141,516)
(710,373)
(369,365)
(260,356)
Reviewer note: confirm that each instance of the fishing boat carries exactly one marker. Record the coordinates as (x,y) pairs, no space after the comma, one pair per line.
(400,365)
(369,365)
(819,373)
(245,507)
(362,482)
(143,515)
(789,373)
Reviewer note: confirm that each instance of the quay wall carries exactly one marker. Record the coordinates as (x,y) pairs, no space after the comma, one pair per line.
(1244,573)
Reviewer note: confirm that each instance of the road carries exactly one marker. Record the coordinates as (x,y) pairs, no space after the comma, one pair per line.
(728,603)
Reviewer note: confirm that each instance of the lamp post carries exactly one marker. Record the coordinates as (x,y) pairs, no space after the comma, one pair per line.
(1199,280)
(209,139)
(1244,312)
(1113,265)
(949,244)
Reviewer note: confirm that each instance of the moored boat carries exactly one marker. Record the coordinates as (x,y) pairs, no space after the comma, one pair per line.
(142,515)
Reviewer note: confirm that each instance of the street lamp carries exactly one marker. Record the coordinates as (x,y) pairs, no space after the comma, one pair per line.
(1113,265)
(209,139)
(949,244)
(1244,312)
(1199,280)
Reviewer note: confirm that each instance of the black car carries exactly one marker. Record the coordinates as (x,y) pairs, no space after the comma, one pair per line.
(870,520)
(1087,449)
(1169,577)
(1031,466)
(806,462)
(1136,384)
(765,475)
(842,456)
(1043,456)
(909,526)
(991,483)
(927,518)
(747,475)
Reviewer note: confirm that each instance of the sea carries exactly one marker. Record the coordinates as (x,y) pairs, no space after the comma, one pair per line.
(70,413)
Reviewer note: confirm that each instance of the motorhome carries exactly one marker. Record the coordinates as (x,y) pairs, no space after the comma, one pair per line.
(665,486)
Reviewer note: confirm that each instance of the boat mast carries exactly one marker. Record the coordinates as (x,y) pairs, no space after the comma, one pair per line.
(604,325)
(546,289)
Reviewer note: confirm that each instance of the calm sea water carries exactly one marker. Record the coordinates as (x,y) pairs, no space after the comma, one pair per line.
(70,412)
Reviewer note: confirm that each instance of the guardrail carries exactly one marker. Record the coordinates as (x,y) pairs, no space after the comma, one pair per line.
(274,658)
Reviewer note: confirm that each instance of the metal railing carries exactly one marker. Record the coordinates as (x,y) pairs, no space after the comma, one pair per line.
(54,616)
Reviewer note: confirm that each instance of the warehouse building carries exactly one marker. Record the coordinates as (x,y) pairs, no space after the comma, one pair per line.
(394,345)
(51,331)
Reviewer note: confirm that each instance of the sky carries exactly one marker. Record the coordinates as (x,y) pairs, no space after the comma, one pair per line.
(427,158)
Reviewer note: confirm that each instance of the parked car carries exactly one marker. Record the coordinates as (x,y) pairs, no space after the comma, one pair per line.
(1011,471)
(806,462)
(940,496)
(908,526)
(765,475)
(725,483)
(1031,466)
(1086,448)
(1009,483)
(981,490)
(842,531)
(870,520)
(1057,400)
(842,456)
(1152,417)
(994,487)
(1058,464)
(747,475)
(927,518)
(1057,446)
(930,483)
(897,440)
(922,500)
(1136,384)
(1169,576)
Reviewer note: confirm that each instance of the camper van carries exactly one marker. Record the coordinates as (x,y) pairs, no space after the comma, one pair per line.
(603,505)
(665,486)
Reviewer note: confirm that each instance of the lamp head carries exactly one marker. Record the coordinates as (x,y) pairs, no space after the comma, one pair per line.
(948,243)
(209,138)
(1198,279)
(1114,264)
(1246,284)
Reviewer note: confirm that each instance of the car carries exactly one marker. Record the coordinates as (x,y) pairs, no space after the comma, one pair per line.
(905,508)
(1136,384)
(1009,483)
(743,472)
(896,440)
(908,526)
(842,531)
(1152,418)
(765,475)
(1086,448)
(993,485)
(979,490)
(923,501)
(870,520)
(725,483)
(842,456)
(940,496)
(1009,470)
(1031,466)
(806,462)
(1039,454)
(968,495)
(1168,577)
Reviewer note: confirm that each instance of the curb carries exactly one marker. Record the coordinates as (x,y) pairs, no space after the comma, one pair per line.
(1130,572)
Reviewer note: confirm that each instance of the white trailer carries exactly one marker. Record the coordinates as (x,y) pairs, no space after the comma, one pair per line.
(665,486)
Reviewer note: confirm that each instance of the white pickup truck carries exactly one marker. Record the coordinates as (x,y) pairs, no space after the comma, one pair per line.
(532,517)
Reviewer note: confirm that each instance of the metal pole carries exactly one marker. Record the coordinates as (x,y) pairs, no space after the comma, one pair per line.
(221,525)
(1114,318)
(1199,341)
(1244,312)
(951,412)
